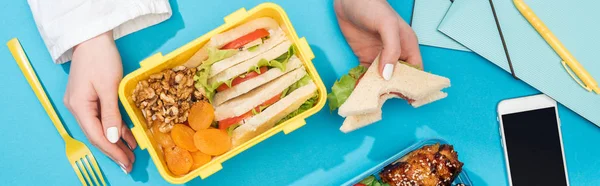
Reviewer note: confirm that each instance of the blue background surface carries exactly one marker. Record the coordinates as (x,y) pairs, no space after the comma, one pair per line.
(317,154)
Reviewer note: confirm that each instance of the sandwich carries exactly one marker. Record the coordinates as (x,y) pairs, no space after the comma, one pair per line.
(253,79)
(361,94)
(250,114)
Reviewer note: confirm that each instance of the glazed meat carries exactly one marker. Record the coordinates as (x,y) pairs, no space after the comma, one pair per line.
(435,165)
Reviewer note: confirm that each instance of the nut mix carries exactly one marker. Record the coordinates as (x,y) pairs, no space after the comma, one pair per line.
(167,96)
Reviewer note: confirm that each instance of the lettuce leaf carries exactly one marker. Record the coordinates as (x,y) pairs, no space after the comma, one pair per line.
(310,103)
(253,48)
(231,128)
(372,181)
(279,62)
(201,77)
(411,65)
(342,88)
(303,81)
(266,63)
(358,71)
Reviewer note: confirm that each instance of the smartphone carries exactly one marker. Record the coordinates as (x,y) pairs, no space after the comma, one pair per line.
(532,141)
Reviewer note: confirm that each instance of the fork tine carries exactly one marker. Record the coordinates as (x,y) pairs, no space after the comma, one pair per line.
(78,173)
(96,168)
(85,173)
(89,168)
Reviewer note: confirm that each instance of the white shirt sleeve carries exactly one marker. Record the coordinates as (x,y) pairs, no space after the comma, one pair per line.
(64,24)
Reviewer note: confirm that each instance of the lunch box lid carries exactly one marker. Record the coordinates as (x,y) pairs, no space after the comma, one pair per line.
(158,62)
(463,177)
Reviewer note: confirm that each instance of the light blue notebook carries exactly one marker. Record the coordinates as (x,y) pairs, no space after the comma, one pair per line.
(471,23)
(427,16)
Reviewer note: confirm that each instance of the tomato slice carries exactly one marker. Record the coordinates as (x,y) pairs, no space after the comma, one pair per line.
(359,184)
(403,97)
(240,42)
(226,123)
(239,80)
(271,101)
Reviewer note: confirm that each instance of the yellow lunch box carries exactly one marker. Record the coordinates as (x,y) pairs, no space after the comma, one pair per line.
(158,62)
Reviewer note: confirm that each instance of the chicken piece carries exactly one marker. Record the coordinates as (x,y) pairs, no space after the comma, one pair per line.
(435,165)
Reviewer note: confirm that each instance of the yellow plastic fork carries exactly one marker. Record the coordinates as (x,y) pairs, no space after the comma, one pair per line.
(82,160)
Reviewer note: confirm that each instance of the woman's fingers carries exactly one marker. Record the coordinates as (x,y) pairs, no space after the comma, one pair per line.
(391,49)
(128,153)
(128,137)
(111,117)
(84,112)
(410,45)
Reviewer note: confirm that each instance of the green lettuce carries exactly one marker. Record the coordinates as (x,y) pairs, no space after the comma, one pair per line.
(310,103)
(231,128)
(201,77)
(342,88)
(372,181)
(411,65)
(303,81)
(279,62)
(253,48)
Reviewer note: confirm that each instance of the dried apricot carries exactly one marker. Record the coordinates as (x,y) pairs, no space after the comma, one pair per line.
(201,115)
(163,139)
(212,141)
(179,161)
(199,159)
(183,136)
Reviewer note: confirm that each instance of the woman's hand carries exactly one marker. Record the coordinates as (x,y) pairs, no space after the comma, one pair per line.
(91,96)
(373,27)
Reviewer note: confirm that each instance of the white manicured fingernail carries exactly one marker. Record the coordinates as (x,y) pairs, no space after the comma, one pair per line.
(122,167)
(112,134)
(388,69)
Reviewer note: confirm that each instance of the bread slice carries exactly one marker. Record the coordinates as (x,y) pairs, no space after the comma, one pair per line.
(243,67)
(265,120)
(277,37)
(354,122)
(246,102)
(408,81)
(257,81)
(222,39)
(431,98)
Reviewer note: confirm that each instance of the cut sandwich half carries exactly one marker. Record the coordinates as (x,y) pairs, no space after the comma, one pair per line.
(235,111)
(360,94)
(253,49)
(249,82)
(273,58)
(246,37)
(296,102)
(407,82)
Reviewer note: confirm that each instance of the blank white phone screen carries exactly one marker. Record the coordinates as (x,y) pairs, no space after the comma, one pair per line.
(534,150)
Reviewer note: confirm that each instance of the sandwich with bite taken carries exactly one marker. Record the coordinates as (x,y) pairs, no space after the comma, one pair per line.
(361,94)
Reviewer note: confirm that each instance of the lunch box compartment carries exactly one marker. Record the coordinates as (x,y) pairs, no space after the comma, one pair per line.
(463,177)
(158,62)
